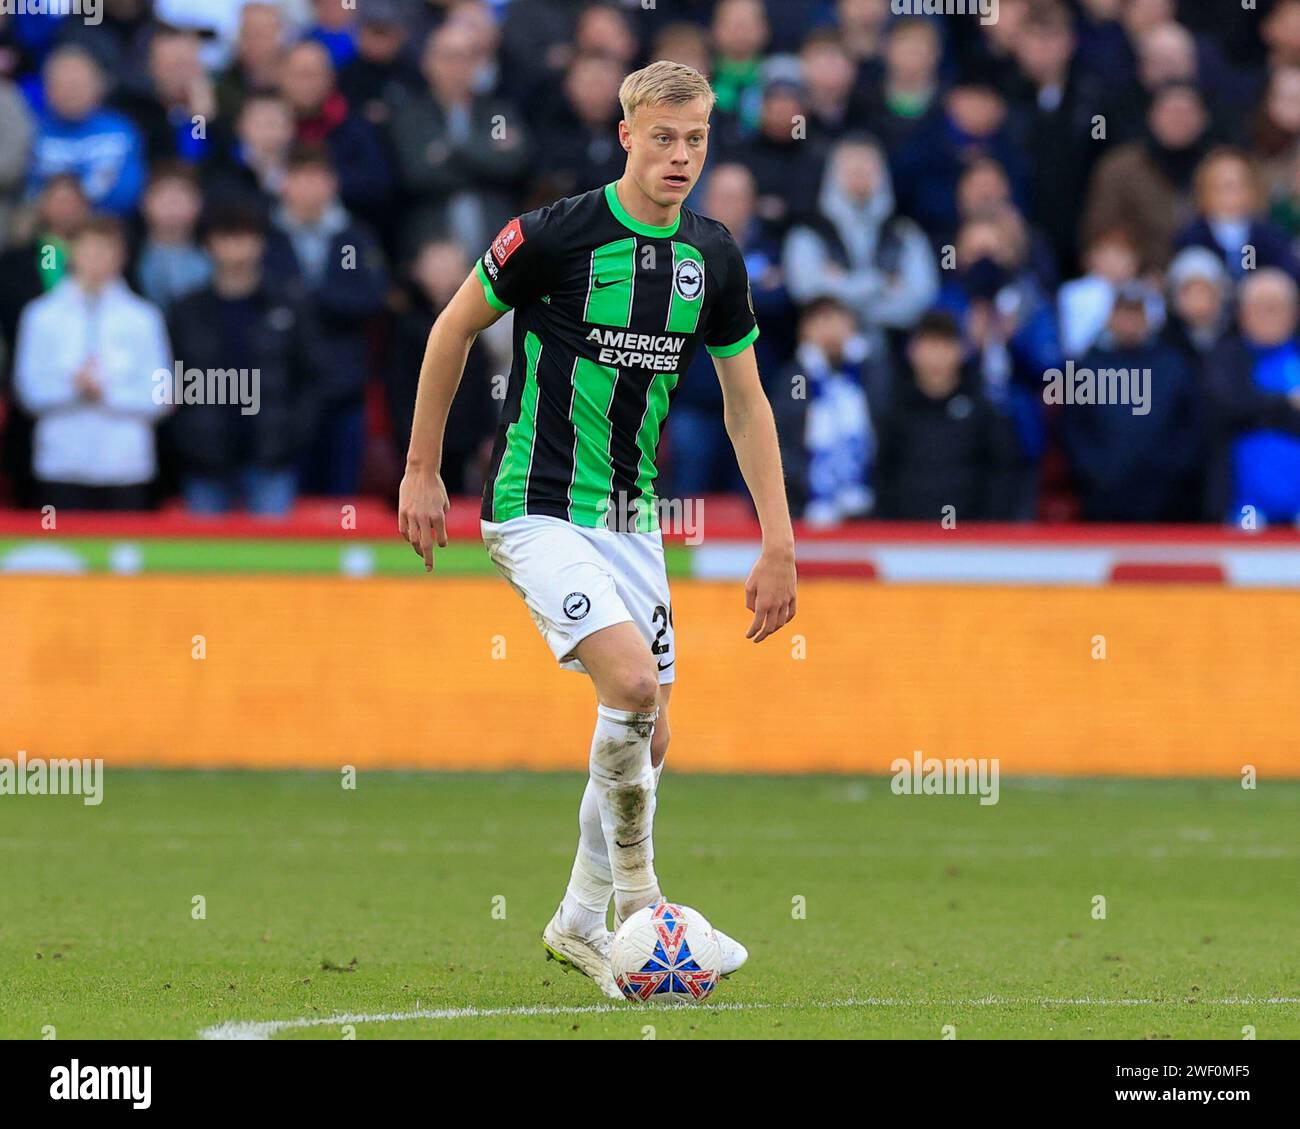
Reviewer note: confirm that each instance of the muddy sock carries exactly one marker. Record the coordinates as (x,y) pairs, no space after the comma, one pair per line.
(623,782)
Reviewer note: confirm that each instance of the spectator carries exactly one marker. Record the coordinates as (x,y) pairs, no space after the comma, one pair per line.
(684,43)
(382,76)
(1084,304)
(338,263)
(1199,313)
(259,55)
(929,163)
(862,24)
(478,19)
(1147,184)
(76,134)
(33,265)
(700,459)
(439,268)
(175,107)
(1286,205)
(1231,222)
(740,33)
(1254,386)
(580,148)
(460,155)
(15,147)
(1055,120)
(782,159)
(36,264)
(118,39)
(858,251)
(1010,329)
(170,261)
(731,197)
(603,30)
(536,48)
(1276,131)
(829,77)
(228,456)
(940,443)
(87,357)
(1281,34)
(821,400)
(983,189)
(216,21)
(1136,455)
(334,29)
(323,114)
(253,168)
(906,97)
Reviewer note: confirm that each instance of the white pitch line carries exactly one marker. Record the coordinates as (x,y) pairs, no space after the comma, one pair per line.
(265,1028)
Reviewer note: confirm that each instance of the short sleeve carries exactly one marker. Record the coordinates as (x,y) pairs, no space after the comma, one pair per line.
(513,268)
(732,327)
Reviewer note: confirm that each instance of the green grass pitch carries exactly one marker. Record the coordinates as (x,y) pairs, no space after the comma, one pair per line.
(426,894)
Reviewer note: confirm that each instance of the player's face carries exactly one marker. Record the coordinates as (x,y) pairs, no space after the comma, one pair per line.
(666,147)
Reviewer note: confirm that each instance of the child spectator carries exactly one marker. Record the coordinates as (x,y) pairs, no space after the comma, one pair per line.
(824,417)
(232,454)
(1084,304)
(170,261)
(940,442)
(87,357)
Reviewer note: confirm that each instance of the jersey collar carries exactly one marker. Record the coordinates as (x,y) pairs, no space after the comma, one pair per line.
(621,214)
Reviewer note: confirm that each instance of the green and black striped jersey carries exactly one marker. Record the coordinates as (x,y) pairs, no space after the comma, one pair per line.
(609,312)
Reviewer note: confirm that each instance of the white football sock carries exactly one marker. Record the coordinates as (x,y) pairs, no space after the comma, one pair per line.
(624,784)
(591,884)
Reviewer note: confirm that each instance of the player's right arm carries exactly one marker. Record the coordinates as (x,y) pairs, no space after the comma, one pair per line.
(422,503)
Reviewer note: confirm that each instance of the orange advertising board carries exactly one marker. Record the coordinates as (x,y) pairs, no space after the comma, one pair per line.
(451,673)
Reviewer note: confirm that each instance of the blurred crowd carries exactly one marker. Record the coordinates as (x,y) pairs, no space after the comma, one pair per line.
(1037,267)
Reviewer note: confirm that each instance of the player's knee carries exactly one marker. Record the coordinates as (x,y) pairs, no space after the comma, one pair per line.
(634,688)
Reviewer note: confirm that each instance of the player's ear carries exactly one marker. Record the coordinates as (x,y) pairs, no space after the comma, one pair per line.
(625,136)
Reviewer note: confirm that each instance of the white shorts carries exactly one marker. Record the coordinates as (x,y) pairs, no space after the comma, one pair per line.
(577,581)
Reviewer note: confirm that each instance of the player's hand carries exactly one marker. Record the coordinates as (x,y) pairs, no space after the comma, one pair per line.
(422,507)
(770,593)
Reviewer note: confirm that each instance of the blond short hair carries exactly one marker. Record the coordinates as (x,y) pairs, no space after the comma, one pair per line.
(664,84)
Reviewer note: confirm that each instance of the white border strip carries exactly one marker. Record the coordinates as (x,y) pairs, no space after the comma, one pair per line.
(265,1029)
(994,563)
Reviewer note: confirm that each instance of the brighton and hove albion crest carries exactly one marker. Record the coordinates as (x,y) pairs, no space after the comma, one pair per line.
(688,280)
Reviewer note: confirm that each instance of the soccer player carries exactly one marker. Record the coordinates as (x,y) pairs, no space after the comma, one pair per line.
(613,291)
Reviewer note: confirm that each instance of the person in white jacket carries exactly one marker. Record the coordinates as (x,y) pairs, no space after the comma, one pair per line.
(85,366)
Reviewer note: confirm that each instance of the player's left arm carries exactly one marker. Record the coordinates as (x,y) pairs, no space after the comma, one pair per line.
(770,589)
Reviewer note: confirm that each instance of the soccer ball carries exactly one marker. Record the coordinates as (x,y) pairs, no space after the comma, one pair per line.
(666,952)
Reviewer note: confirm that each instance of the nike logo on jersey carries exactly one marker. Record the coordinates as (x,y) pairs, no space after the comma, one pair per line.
(601,285)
